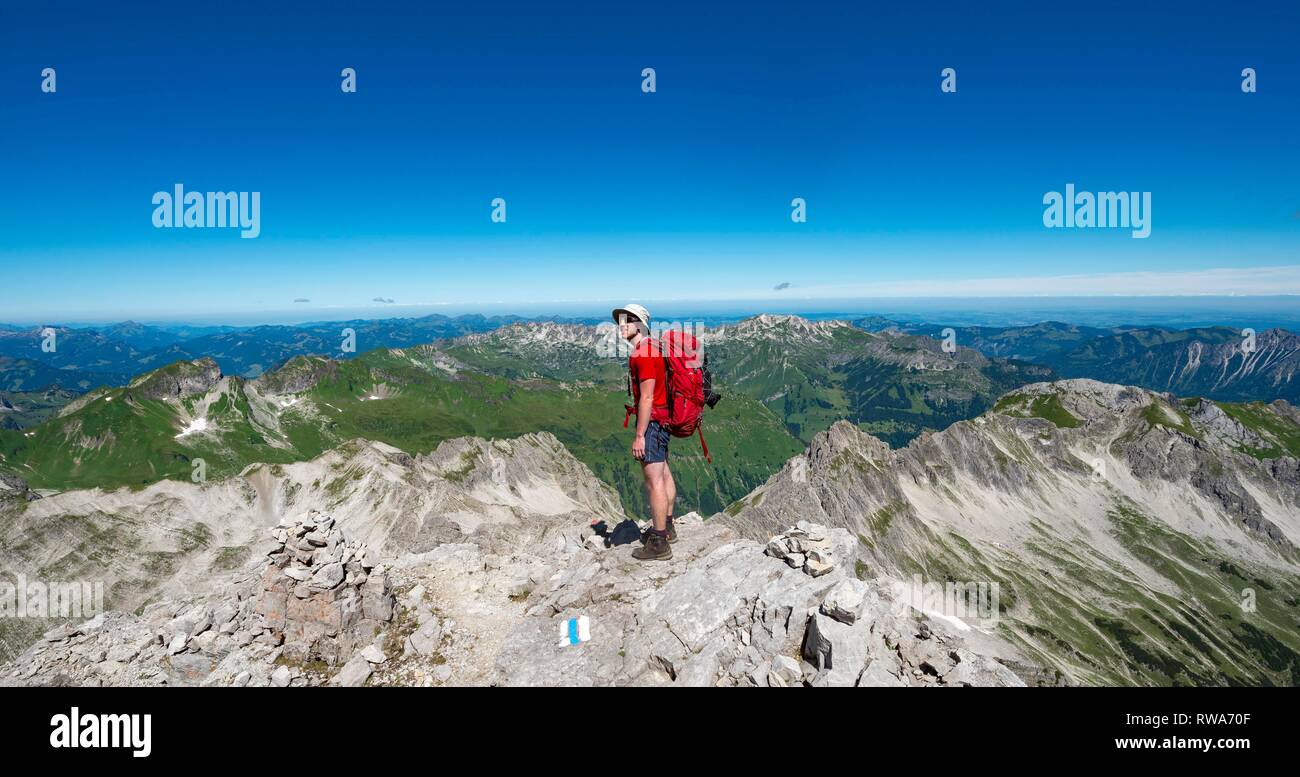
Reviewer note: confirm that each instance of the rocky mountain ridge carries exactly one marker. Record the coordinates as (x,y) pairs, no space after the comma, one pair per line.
(1125,530)
(726,614)
(1088,503)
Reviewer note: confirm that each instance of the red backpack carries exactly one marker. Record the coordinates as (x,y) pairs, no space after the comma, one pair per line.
(690,386)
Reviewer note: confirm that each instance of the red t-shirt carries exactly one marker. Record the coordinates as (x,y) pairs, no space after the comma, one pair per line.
(645,363)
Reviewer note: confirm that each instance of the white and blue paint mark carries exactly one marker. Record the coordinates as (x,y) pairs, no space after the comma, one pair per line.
(575,630)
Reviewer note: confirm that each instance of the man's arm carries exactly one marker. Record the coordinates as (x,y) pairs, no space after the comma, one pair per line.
(645,406)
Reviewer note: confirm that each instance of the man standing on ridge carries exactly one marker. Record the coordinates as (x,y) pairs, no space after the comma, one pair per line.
(648,382)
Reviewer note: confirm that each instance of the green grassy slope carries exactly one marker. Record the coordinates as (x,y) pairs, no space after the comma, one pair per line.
(1230,624)
(122,439)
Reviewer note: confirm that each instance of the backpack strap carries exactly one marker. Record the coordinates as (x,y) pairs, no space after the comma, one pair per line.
(662,346)
(703,444)
(630,410)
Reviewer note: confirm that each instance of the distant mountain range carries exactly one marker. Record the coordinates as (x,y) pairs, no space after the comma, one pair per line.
(893,385)
(85,358)
(786,380)
(1214,362)
(1211,362)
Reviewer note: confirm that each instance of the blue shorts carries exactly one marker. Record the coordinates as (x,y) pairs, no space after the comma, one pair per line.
(656,443)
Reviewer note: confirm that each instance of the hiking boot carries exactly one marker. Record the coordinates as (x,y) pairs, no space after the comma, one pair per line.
(656,548)
(672,534)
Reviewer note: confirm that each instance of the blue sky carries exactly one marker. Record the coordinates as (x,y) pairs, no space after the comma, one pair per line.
(386,192)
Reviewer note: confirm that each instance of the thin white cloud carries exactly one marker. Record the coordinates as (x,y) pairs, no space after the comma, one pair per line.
(1219,281)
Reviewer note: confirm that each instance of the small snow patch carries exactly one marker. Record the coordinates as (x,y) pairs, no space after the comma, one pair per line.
(960,624)
(197,425)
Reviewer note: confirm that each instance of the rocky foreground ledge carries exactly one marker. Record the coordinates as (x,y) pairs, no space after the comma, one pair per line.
(320,609)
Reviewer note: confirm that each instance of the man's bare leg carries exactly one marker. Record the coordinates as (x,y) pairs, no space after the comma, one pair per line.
(670,490)
(649,490)
(655,541)
(658,494)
